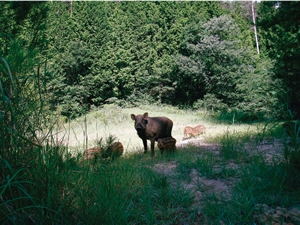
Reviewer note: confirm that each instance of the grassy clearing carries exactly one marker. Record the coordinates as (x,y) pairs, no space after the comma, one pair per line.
(227,179)
(111,119)
(82,133)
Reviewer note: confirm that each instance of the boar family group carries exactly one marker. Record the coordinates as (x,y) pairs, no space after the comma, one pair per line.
(148,128)
(159,129)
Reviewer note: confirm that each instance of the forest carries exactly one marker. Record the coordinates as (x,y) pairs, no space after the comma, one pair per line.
(77,55)
(72,73)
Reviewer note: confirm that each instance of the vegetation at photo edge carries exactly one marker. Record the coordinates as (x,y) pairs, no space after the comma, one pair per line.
(60,61)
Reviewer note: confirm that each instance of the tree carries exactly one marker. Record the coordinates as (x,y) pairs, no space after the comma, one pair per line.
(254,27)
(75,43)
(279,26)
(119,49)
(22,39)
(215,62)
(260,92)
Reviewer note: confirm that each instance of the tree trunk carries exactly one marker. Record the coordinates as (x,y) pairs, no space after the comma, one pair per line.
(254,25)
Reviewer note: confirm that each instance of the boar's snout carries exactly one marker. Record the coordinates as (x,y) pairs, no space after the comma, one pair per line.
(139,122)
(140,126)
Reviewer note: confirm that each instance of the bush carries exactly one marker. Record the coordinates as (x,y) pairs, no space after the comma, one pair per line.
(211,103)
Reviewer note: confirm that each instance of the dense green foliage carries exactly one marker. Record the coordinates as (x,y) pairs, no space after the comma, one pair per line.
(117,50)
(279,34)
(64,58)
(218,71)
(199,54)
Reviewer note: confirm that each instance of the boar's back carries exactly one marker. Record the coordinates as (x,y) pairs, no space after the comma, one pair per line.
(159,127)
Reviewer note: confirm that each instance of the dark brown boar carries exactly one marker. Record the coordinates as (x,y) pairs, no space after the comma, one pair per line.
(152,128)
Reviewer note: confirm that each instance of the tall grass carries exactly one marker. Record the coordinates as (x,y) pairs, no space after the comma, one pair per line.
(25,164)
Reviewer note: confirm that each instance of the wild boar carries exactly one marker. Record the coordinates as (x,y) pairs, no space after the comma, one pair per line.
(92,153)
(193,132)
(152,128)
(188,131)
(166,144)
(114,151)
(200,129)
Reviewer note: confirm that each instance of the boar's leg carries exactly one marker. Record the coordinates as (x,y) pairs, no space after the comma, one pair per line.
(145,145)
(152,146)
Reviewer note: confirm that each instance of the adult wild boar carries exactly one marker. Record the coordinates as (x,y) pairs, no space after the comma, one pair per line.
(152,128)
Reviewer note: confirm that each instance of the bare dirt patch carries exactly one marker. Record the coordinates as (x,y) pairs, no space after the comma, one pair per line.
(197,184)
(200,185)
(197,142)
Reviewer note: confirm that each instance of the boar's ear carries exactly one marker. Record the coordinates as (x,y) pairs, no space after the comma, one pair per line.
(145,115)
(132,116)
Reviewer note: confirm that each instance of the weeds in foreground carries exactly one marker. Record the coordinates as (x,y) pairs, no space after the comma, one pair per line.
(129,191)
(292,153)
(258,182)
